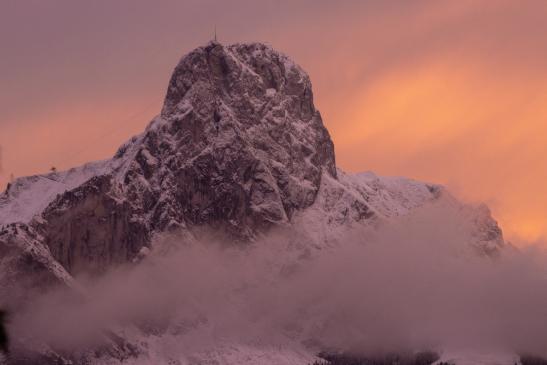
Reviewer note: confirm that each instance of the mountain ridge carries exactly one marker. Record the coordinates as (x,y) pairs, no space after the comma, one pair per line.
(238,148)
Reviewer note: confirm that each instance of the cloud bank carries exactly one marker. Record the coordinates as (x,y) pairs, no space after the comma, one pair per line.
(410,285)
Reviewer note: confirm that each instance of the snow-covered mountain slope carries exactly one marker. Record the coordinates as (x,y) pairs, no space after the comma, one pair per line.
(238,149)
(354,201)
(27,197)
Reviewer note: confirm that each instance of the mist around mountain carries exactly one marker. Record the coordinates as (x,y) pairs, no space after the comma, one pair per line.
(225,234)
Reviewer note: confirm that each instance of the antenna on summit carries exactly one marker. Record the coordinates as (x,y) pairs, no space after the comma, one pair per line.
(215,33)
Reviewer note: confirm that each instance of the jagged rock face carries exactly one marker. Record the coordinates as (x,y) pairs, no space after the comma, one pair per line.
(26,265)
(88,229)
(239,143)
(238,147)
(253,146)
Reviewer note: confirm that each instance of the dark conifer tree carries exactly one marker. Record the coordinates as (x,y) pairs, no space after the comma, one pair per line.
(4,339)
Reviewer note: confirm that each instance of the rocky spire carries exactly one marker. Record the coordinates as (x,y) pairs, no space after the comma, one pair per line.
(246,112)
(238,147)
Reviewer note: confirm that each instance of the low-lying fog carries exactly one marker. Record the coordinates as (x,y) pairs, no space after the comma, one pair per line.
(410,284)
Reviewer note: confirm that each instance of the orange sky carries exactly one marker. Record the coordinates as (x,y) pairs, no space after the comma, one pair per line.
(453,92)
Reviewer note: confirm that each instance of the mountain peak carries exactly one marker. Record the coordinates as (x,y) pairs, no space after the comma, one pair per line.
(239,147)
(246,111)
(225,70)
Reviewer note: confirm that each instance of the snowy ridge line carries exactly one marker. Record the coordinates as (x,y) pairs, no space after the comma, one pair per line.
(27,197)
